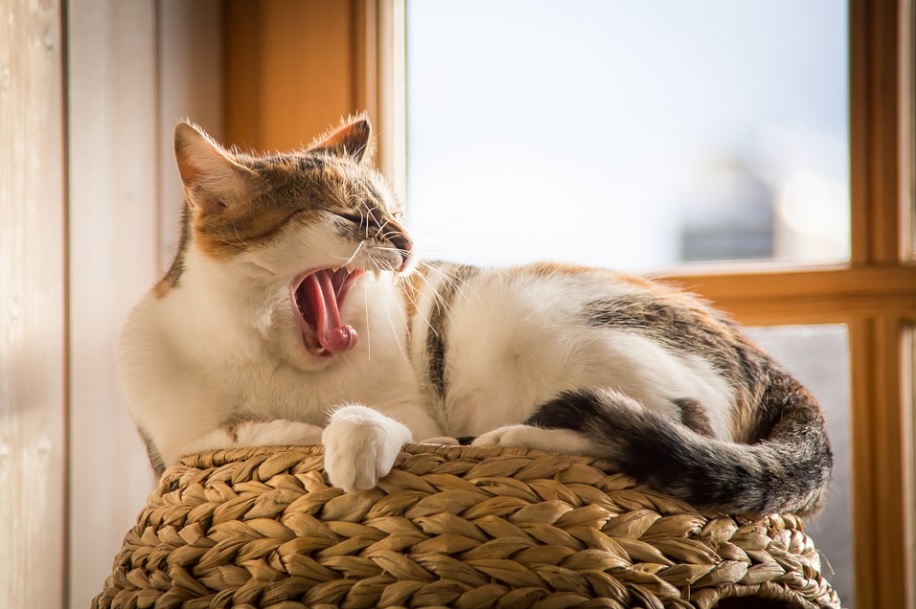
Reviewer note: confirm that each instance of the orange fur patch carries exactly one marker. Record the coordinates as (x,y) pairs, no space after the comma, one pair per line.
(410,288)
(162,288)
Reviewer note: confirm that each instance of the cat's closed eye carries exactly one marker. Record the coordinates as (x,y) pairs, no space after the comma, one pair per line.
(358,219)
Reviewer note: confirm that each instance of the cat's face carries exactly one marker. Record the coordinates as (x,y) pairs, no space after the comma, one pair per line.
(303,227)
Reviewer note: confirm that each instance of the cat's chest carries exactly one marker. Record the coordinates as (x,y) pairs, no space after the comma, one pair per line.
(271,387)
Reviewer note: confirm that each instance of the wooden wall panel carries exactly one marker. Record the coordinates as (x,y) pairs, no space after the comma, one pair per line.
(190,78)
(32,306)
(290,70)
(113,259)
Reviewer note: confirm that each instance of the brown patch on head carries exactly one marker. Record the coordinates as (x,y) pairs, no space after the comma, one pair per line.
(238,202)
(239,229)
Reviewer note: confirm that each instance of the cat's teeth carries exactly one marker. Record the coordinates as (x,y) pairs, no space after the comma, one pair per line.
(377,273)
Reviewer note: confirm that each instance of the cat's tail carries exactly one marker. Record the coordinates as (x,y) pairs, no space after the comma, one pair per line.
(786,469)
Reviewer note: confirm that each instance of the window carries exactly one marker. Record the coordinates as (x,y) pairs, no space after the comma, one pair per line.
(868,289)
(630,135)
(818,355)
(547,104)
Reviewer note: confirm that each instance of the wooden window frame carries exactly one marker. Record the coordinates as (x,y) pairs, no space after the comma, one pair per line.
(874,294)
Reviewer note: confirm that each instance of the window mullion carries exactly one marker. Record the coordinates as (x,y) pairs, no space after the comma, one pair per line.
(874,131)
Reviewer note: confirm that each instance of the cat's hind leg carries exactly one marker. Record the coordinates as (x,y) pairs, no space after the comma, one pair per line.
(360,446)
(528,436)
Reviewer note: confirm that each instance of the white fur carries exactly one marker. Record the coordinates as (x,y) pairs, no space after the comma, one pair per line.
(224,345)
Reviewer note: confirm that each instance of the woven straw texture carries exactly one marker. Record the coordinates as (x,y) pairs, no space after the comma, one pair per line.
(451,526)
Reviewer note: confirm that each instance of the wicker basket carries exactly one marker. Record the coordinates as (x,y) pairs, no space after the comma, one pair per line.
(449,527)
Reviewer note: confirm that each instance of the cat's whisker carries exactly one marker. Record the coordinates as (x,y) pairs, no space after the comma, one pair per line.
(355,253)
(397,336)
(365,219)
(405,319)
(382,248)
(368,331)
(417,309)
(408,331)
(438,301)
(506,275)
(238,237)
(381,229)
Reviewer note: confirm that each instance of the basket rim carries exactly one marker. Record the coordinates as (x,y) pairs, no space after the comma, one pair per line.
(223,456)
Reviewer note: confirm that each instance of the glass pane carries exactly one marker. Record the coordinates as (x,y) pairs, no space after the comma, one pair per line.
(634,135)
(819,357)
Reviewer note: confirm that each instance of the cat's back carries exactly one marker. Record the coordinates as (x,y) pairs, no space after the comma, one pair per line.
(556,294)
(517,336)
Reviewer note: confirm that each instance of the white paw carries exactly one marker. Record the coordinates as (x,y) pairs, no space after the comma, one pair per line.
(360,446)
(526,436)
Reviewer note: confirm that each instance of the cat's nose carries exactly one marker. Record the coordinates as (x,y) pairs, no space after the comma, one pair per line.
(399,239)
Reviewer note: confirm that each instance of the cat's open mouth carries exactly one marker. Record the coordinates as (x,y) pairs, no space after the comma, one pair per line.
(317,299)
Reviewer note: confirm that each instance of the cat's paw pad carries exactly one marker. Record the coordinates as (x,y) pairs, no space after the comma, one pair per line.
(360,446)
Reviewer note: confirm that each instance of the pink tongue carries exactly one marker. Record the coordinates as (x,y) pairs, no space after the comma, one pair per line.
(332,335)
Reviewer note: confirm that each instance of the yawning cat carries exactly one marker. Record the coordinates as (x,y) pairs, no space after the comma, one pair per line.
(295,313)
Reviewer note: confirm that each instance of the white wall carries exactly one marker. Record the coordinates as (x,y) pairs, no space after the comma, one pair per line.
(135,68)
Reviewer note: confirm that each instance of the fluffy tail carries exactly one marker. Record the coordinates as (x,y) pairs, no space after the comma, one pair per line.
(786,469)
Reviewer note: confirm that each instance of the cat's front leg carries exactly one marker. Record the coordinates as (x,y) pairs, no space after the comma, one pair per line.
(360,446)
(277,432)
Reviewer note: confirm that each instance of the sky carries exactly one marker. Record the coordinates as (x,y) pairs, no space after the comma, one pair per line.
(591,131)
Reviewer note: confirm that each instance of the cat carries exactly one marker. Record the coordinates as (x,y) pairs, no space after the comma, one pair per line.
(296,312)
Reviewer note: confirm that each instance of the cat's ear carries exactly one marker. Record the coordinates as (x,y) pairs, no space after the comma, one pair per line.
(212,179)
(353,139)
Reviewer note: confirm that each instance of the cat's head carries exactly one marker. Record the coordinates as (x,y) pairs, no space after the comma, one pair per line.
(310,222)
